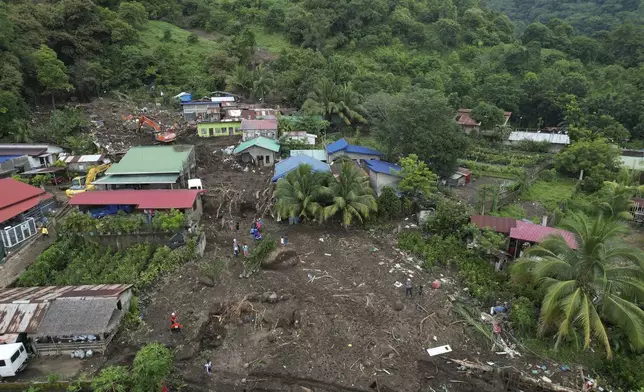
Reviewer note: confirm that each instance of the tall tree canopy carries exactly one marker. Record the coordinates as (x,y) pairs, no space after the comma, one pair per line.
(419,122)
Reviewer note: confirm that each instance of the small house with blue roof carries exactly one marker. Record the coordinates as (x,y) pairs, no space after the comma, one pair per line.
(382,174)
(342,148)
(286,166)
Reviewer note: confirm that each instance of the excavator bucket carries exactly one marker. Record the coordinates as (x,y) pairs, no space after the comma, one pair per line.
(165,137)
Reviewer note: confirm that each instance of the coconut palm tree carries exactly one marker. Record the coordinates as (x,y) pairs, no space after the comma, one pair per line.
(616,200)
(352,196)
(590,289)
(262,84)
(332,101)
(241,80)
(296,194)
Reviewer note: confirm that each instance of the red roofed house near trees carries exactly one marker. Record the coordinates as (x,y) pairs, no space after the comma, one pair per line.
(21,205)
(186,200)
(468,124)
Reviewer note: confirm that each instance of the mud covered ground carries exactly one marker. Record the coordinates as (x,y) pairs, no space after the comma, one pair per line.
(329,319)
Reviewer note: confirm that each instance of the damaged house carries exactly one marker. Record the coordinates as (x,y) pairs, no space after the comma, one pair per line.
(57,320)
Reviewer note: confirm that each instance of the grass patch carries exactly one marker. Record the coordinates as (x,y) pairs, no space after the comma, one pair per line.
(550,193)
(152,36)
(515,211)
(274,43)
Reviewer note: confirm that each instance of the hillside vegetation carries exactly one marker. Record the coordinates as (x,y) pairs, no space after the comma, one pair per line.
(588,16)
(466,53)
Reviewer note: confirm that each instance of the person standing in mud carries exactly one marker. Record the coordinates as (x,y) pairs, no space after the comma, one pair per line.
(409,291)
(245,249)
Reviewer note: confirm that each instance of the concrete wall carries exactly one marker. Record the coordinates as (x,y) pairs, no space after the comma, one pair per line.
(16,164)
(213,129)
(381,180)
(253,133)
(336,155)
(253,153)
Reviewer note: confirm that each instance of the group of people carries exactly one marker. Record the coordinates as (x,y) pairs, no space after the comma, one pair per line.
(236,248)
(409,289)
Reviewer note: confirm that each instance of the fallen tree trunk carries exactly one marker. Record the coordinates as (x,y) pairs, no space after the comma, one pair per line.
(526,379)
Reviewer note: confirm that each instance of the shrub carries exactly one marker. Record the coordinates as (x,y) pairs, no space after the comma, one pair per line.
(523,315)
(212,269)
(152,365)
(192,39)
(259,254)
(481,279)
(533,146)
(388,204)
(112,379)
(623,372)
(450,217)
(548,175)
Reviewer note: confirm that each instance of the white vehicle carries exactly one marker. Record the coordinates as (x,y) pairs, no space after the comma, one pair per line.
(13,359)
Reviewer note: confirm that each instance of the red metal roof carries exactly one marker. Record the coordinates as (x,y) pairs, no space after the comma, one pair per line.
(251,125)
(17,197)
(496,223)
(536,233)
(161,199)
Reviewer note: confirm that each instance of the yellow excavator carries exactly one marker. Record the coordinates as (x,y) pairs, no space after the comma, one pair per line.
(84,183)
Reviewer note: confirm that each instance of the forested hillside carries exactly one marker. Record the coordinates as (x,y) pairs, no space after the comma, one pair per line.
(587,16)
(340,52)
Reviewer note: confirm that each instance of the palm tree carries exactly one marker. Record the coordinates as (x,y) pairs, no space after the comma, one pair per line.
(352,196)
(262,84)
(23,133)
(616,200)
(591,288)
(241,80)
(333,100)
(297,193)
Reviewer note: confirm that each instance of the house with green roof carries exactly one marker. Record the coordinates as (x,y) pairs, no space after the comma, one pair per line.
(261,151)
(151,167)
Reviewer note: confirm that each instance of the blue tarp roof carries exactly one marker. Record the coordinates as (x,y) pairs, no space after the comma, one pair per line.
(286,166)
(342,144)
(5,158)
(383,167)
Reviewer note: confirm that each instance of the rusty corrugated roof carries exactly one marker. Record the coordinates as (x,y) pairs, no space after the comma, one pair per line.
(22,309)
(496,223)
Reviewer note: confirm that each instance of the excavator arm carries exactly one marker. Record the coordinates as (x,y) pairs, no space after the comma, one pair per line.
(159,135)
(146,121)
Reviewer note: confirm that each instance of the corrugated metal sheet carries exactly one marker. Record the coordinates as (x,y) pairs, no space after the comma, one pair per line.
(80,158)
(142,199)
(22,309)
(48,293)
(552,138)
(320,155)
(498,224)
(531,232)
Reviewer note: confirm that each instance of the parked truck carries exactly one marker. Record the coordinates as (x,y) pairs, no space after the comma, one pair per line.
(13,359)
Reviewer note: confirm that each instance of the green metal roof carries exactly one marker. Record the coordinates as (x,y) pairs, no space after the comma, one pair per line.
(137,179)
(262,142)
(152,160)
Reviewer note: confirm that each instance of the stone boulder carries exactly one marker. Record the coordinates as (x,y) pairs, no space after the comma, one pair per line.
(281,258)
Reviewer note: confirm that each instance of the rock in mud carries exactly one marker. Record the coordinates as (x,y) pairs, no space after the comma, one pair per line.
(188,351)
(270,297)
(398,306)
(206,281)
(254,297)
(281,258)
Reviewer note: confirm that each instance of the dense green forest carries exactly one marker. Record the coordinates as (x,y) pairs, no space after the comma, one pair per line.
(351,53)
(588,16)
